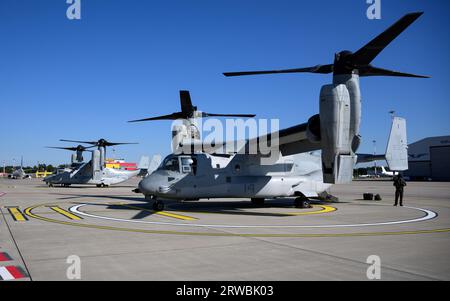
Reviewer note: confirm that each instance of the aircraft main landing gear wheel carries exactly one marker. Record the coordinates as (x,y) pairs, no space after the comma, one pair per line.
(257,201)
(302,202)
(158,205)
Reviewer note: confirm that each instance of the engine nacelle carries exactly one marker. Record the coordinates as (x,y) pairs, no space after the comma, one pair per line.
(313,130)
(96,165)
(184,136)
(74,158)
(335,127)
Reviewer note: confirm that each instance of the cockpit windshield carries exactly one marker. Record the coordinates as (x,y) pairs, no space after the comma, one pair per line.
(188,164)
(170,163)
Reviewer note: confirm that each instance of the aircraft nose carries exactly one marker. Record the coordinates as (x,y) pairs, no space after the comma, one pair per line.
(146,186)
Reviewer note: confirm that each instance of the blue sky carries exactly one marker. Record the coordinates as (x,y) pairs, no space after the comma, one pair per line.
(127,59)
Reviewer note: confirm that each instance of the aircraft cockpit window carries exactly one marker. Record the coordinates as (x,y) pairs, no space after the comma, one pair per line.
(171,164)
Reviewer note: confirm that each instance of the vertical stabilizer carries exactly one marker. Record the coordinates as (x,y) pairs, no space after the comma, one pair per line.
(397,149)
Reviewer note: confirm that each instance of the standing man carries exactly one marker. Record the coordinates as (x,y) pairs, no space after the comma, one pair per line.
(399,184)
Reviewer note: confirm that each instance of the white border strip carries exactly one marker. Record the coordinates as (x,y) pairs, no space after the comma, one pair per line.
(428,216)
(5,274)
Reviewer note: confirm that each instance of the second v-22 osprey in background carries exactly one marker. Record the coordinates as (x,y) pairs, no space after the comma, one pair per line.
(94,172)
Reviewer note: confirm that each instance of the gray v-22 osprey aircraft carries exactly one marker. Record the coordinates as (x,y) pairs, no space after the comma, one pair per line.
(19,173)
(94,172)
(298,171)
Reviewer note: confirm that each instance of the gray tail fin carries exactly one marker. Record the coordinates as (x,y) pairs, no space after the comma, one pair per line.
(144,163)
(146,166)
(397,148)
(156,161)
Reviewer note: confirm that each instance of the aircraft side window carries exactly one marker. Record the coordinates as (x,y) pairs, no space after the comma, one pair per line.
(188,165)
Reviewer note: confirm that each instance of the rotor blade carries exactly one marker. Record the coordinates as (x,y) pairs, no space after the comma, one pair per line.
(228,115)
(374,71)
(65,148)
(369,52)
(70,148)
(173,116)
(87,142)
(186,103)
(323,69)
(112,144)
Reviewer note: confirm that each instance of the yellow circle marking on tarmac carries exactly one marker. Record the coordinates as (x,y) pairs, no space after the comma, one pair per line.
(325,209)
(28,211)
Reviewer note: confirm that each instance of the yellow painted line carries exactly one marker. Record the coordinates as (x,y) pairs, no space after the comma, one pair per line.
(17,214)
(163,213)
(178,216)
(325,209)
(28,211)
(65,213)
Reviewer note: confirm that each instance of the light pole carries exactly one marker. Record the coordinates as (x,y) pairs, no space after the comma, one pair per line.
(392,117)
(375,153)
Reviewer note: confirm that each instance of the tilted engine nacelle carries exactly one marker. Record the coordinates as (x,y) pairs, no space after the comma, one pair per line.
(74,158)
(336,133)
(184,135)
(77,157)
(96,165)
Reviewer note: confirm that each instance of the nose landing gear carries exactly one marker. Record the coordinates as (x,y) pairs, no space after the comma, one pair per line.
(158,205)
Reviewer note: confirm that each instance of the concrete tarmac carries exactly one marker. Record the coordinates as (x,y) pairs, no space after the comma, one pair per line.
(117,236)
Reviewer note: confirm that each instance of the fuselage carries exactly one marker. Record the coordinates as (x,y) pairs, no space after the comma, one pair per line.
(202,175)
(84,175)
(19,174)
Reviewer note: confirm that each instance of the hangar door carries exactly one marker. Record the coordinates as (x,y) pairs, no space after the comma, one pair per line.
(440,163)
